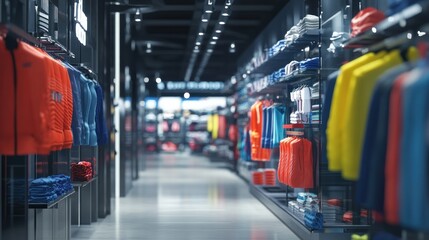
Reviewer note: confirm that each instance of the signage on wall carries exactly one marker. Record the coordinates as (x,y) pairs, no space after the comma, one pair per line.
(81,22)
(191,86)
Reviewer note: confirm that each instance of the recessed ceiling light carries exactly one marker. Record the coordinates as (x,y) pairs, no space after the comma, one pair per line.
(215,38)
(149,50)
(210,2)
(225,14)
(198,43)
(232,45)
(146,79)
(158,80)
(213,42)
(222,23)
(210,50)
(209,11)
(204,20)
(138,16)
(186,95)
(218,31)
(196,47)
(226,6)
(228,2)
(196,51)
(201,33)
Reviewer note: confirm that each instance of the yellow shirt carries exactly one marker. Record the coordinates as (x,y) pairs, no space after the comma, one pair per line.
(210,123)
(215,125)
(336,117)
(361,87)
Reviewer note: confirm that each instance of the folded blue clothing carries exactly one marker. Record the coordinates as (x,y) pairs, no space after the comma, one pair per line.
(41,190)
(42,194)
(45,199)
(42,187)
(42,181)
(309,63)
(313,219)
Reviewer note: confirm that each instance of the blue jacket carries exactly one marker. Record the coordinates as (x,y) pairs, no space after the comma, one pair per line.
(86,103)
(91,120)
(101,128)
(77,120)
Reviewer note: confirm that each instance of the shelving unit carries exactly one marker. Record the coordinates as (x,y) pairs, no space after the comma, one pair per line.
(287,54)
(51,204)
(326,184)
(413,17)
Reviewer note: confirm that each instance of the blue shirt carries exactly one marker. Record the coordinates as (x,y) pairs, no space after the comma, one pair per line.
(414,182)
(77,120)
(91,117)
(86,104)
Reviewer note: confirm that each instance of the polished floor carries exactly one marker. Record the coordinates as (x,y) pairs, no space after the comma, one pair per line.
(184,197)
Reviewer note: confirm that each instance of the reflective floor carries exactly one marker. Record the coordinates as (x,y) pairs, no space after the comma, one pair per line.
(185,197)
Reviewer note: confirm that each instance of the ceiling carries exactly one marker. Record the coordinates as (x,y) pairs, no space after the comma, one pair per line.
(171,29)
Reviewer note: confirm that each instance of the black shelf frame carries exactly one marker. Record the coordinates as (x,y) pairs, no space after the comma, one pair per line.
(297,77)
(288,54)
(83,184)
(413,17)
(52,203)
(331,231)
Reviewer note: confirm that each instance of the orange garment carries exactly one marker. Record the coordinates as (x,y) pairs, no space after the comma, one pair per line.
(67,104)
(257,153)
(295,167)
(26,116)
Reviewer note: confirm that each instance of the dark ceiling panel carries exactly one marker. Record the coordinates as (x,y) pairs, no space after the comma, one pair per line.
(172,28)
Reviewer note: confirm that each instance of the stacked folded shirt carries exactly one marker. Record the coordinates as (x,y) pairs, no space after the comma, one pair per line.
(258,177)
(313,219)
(309,22)
(312,63)
(291,36)
(278,47)
(62,184)
(270,177)
(291,67)
(45,190)
(81,171)
(315,117)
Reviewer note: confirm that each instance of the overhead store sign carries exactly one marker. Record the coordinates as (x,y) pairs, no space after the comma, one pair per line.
(81,22)
(191,86)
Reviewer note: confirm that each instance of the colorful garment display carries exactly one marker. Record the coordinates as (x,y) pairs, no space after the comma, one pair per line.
(295,167)
(55,109)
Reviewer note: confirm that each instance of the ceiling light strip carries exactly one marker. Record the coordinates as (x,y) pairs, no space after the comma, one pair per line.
(223,18)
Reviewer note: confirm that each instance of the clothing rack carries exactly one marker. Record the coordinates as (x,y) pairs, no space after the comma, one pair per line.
(86,70)
(15,32)
(54,47)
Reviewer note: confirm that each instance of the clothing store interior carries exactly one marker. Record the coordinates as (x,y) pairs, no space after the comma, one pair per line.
(214,119)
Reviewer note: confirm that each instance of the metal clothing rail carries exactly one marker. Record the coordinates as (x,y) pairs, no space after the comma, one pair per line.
(16,32)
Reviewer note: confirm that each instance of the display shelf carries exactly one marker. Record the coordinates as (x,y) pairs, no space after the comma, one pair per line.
(283,57)
(52,46)
(298,77)
(16,32)
(277,204)
(83,184)
(413,17)
(52,203)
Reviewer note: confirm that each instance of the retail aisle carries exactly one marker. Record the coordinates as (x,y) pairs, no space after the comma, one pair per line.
(182,197)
